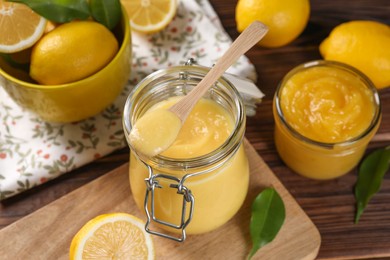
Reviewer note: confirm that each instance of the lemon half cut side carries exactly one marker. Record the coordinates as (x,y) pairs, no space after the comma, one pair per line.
(150,16)
(20,27)
(112,236)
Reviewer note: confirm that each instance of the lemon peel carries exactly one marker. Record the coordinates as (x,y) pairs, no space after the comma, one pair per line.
(362,44)
(71,52)
(285,20)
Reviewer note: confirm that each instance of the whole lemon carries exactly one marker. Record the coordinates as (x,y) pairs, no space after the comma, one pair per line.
(363,45)
(71,52)
(285,19)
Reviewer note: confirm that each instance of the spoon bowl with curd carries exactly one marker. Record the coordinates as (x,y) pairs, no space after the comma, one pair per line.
(157,130)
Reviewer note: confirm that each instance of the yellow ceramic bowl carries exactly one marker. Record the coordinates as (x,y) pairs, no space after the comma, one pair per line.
(77,100)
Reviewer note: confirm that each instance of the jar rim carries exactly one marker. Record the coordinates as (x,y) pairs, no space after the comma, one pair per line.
(317,63)
(214,157)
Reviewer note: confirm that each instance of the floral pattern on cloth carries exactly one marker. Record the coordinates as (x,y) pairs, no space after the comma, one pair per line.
(33,152)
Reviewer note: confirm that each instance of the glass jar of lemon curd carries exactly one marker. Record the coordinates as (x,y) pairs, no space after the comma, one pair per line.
(325,115)
(201,181)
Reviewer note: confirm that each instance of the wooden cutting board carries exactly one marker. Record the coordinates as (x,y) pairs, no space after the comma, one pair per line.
(47,233)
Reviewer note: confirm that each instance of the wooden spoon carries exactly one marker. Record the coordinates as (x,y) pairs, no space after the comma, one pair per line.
(154,132)
(249,37)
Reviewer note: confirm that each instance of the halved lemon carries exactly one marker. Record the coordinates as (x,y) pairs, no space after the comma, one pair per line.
(112,236)
(20,27)
(150,16)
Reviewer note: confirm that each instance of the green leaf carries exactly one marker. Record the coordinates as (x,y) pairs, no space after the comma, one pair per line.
(268,214)
(106,12)
(371,173)
(59,11)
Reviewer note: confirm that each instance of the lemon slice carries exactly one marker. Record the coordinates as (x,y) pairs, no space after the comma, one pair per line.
(20,27)
(150,16)
(112,236)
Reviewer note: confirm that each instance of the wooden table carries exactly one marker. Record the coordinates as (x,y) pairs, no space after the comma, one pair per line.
(330,204)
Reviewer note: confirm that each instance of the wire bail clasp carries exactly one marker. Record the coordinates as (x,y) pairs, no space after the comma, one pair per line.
(152,182)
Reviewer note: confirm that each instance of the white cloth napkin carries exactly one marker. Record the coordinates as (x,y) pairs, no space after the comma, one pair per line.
(33,152)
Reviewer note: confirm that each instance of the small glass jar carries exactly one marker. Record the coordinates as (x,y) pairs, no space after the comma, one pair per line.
(318,159)
(192,195)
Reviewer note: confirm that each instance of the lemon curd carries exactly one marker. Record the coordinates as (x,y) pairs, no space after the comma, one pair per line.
(205,169)
(325,115)
(219,193)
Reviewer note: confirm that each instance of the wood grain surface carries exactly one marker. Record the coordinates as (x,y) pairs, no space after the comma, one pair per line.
(329,204)
(47,233)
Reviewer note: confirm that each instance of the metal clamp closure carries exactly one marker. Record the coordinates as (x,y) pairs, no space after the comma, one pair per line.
(151,184)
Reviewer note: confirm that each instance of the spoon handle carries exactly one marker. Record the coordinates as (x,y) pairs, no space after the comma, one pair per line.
(249,37)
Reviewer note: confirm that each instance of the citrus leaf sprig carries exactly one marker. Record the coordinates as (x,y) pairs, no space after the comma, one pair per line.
(268,214)
(106,12)
(371,173)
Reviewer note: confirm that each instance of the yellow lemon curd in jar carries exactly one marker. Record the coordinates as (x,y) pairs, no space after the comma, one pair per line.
(219,193)
(332,109)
